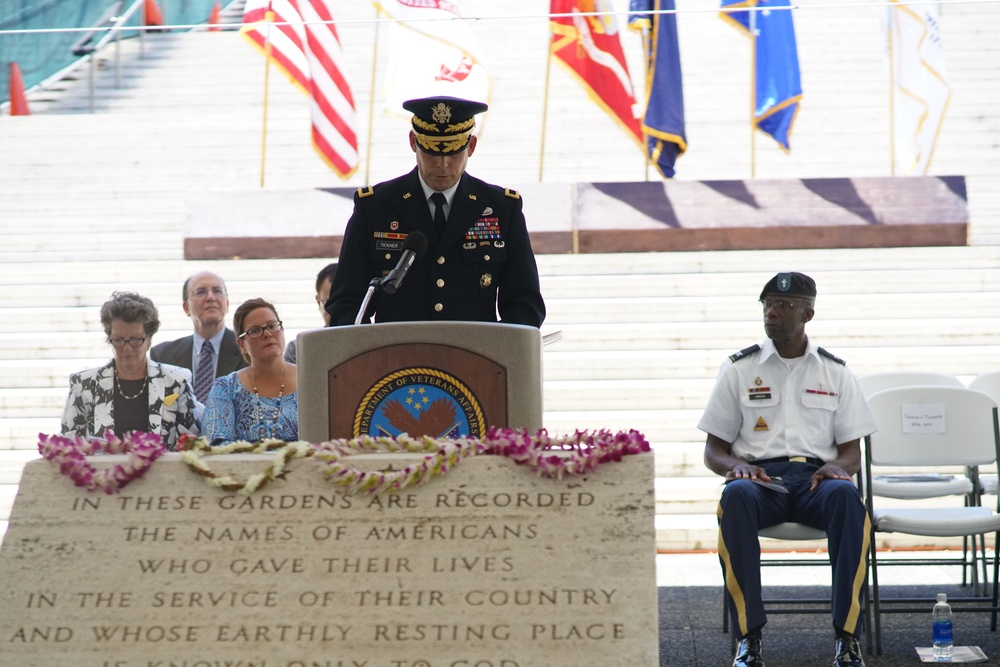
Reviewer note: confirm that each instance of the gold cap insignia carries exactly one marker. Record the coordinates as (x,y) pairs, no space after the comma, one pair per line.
(441,113)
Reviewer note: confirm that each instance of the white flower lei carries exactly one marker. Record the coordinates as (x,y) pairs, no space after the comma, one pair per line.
(193,451)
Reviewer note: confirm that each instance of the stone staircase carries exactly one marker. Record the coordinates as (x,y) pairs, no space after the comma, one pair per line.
(92,203)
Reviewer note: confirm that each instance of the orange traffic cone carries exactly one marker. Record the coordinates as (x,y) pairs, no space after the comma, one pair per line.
(213,18)
(18,104)
(153,14)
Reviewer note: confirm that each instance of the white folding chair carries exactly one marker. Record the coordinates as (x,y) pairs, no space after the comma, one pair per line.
(931,427)
(875,382)
(988,383)
(911,487)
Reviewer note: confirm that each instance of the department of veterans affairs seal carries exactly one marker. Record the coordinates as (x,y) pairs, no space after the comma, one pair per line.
(419,402)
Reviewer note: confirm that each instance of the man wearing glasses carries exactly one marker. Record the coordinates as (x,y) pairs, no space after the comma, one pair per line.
(211,351)
(789,414)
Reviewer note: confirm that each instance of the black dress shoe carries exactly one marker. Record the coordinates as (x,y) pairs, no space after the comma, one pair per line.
(848,653)
(750,653)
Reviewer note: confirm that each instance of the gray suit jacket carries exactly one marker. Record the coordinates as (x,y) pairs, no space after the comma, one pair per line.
(179,353)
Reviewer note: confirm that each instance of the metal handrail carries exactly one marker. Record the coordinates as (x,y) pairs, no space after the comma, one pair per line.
(109,26)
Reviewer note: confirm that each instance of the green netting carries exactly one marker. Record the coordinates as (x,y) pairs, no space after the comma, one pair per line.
(39,55)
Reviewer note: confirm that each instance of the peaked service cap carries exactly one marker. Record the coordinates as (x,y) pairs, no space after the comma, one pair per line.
(443,125)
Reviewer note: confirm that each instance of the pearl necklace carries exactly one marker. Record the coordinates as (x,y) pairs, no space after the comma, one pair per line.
(281,392)
(122,393)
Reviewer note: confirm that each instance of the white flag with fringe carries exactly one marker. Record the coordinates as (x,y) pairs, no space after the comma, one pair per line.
(920,93)
(432,52)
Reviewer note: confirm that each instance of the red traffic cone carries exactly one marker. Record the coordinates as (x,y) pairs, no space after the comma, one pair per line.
(153,14)
(213,18)
(18,104)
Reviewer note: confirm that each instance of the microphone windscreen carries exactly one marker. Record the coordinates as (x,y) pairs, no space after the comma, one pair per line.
(417,242)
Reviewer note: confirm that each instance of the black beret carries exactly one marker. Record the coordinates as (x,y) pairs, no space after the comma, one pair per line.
(790,284)
(443,125)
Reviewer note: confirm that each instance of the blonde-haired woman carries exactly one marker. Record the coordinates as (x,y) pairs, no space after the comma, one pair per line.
(259,401)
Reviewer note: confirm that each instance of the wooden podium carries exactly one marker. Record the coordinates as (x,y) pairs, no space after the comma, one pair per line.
(442,379)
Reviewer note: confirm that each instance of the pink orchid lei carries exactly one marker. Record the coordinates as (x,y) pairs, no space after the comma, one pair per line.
(576,454)
(71,453)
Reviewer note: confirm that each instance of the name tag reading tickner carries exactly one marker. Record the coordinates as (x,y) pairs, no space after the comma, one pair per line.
(923,418)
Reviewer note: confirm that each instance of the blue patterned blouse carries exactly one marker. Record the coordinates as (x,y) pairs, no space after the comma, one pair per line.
(234,413)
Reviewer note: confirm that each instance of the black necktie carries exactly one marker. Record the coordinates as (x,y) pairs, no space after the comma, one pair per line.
(439,201)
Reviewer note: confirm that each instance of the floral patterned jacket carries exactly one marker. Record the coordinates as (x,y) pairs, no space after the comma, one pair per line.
(90,404)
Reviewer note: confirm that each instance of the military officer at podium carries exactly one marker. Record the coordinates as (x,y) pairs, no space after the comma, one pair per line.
(478,265)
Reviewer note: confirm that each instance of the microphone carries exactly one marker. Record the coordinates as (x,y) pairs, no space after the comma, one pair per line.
(414,246)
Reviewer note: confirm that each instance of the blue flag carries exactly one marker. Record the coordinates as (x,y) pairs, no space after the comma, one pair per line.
(663,121)
(777,86)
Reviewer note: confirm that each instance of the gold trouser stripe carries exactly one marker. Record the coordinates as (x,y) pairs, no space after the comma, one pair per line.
(851,623)
(733,586)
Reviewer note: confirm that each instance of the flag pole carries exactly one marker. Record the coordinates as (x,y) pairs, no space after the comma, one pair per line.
(753,87)
(892,92)
(646,35)
(269,17)
(545,110)
(371,104)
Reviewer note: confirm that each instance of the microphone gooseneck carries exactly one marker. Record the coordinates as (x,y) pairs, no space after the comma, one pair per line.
(414,246)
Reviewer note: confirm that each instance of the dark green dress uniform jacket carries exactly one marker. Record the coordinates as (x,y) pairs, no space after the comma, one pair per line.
(481,265)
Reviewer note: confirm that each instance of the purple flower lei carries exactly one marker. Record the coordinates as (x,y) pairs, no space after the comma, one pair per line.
(71,453)
(553,457)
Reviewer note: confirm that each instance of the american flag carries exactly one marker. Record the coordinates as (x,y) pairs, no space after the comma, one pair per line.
(308,51)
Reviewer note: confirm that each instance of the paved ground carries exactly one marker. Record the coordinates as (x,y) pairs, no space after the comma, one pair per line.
(691,616)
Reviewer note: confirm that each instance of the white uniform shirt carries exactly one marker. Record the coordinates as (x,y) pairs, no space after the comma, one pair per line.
(768,409)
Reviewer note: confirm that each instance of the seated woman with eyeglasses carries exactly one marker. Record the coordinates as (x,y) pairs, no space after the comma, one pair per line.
(257,402)
(131,393)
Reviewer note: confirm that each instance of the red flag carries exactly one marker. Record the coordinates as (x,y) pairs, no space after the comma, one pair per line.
(590,47)
(309,53)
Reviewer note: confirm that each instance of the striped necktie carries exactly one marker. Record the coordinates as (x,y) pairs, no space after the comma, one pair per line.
(205,373)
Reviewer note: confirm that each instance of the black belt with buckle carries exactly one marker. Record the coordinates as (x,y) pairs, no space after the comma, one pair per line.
(790,459)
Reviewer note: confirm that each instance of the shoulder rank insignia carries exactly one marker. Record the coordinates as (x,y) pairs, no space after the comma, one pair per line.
(745,352)
(366,191)
(513,194)
(832,356)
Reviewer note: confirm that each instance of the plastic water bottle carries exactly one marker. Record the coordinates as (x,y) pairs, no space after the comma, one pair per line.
(943,638)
